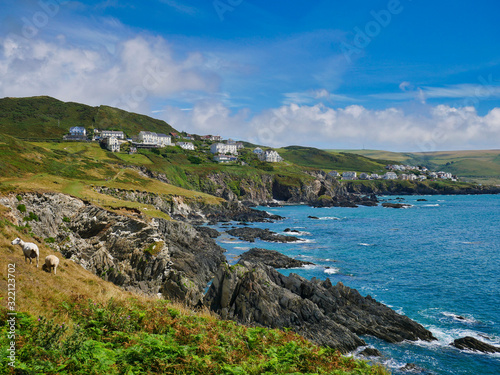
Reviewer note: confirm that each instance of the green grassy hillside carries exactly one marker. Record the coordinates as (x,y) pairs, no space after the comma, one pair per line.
(340,161)
(43,117)
(475,165)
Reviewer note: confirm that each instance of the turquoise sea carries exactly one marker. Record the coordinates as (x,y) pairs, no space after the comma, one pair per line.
(438,262)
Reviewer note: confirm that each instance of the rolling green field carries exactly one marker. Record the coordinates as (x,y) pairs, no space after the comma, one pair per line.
(340,161)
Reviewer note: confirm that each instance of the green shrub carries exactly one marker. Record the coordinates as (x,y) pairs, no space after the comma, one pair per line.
(31,217)
(66,219)
(21,208)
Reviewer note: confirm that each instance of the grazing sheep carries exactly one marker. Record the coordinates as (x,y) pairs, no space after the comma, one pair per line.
(51,261)
(30,250)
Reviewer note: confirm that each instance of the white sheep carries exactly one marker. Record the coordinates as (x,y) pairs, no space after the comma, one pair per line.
(50,261)
(30,250)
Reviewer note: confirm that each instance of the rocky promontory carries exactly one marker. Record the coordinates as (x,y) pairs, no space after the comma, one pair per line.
(252,293)
(272,258)
(250,234)
(470,343)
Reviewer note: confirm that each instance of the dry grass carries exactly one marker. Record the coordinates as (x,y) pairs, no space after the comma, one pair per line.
(42,293)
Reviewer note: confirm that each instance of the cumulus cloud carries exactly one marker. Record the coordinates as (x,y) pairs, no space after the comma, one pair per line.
(441,128)
(139,70)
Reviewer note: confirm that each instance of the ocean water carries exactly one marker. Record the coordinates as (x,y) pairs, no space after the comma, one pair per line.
(438,262)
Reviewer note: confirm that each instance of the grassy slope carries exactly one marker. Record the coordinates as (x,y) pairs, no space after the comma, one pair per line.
(44,117)
(73,168)
(340,161)
(76,323)
(478,165)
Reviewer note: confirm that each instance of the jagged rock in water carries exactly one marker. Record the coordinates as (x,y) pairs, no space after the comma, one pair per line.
(470,343)
(249,294)
(395,205)
(250,234)
(272,258)
(328,315)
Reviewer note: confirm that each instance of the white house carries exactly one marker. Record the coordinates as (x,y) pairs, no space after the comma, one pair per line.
(186,145)
(221,148)
(78,131)
(349,175)
(149,138)
(270,156)
(164,140)
(390,176)
(112,144)
(375,176)
(444,175)
(364,176)
(334,174)
(258,151)
(112,133)
(412,177)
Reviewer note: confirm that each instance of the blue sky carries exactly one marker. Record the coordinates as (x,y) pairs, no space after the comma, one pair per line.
(402,75)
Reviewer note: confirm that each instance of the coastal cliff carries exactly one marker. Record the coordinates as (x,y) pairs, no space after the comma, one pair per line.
(145,255)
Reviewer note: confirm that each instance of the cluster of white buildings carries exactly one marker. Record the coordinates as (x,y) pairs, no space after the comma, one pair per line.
(392,176)
(269,156)
(402,168)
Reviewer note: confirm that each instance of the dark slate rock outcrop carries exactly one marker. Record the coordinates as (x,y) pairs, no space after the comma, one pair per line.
(470,343)
(250,234)
(328,315)
(395,205)
(272,258)
(210,232)
(148,256)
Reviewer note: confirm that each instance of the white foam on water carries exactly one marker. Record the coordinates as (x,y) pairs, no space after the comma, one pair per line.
(446,336)
(332,271)
(430,205)
(231,241)
(304,241)
(460,318)
(330,218)
(242,248)
(296,234)
(366,244)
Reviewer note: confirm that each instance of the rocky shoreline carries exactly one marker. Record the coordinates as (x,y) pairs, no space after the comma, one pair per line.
(334,316)
(176,260)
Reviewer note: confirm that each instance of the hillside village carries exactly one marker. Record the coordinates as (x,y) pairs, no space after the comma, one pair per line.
(229,152)
(226,152)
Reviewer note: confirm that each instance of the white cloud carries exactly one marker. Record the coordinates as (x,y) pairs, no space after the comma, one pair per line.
(442,128)
(141,69)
